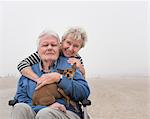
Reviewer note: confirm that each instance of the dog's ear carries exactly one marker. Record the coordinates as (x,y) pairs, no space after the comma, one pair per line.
(60,71)
(64,72)
(74,66)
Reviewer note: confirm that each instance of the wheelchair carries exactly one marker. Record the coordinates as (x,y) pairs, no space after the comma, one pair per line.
(84,105)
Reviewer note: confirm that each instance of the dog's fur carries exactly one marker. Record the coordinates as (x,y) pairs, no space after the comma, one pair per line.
(47,94)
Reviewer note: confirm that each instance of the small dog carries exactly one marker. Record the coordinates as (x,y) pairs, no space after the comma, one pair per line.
(48,94)
(69,73)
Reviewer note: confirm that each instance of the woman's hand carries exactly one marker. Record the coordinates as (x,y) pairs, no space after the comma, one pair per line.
(73,60)
(59,106)
(78,64)
(40,80)
(49,78)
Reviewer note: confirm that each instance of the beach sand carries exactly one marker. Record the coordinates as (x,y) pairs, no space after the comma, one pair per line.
(112,98)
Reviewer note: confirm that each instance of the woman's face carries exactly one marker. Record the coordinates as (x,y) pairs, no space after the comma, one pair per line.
(49,48)
(70,47)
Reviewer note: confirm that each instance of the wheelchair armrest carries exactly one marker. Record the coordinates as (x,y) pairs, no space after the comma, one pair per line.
(12,102)
(85,102)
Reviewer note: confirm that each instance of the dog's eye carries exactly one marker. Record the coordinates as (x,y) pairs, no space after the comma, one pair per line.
(70,72)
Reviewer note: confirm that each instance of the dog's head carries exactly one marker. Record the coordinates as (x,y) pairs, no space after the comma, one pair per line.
(69,73)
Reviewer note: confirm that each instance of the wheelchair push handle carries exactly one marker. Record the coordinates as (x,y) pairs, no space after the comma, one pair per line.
(12,102)
(86,102)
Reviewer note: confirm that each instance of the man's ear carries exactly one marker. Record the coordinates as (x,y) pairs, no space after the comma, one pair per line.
(61,43)
(60,48)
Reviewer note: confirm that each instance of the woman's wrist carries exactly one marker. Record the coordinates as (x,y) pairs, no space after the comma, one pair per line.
(59,80)
(36,79)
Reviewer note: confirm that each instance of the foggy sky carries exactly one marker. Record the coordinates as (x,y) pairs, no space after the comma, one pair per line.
(117,34)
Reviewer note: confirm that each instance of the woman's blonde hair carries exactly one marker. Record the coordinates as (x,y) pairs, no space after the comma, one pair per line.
(77,33)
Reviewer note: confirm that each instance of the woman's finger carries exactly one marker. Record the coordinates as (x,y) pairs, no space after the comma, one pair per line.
(39,86)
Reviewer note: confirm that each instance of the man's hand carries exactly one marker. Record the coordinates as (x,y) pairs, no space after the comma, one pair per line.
(59,106)
(49,78)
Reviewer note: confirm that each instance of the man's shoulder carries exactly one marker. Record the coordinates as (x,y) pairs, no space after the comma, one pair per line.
(63,62)
(63,58)
(35,65)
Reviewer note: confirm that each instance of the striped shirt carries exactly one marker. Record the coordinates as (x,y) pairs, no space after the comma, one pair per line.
(35,58)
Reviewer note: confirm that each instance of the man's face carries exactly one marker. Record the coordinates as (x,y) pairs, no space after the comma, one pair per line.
(48,48)
(70,47)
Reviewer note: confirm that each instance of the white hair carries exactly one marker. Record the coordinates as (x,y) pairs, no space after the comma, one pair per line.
(77,33)
(47,33)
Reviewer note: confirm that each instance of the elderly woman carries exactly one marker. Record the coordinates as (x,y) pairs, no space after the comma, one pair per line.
(77,88)
(72,41)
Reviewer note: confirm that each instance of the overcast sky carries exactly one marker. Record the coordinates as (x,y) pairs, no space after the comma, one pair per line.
(117,33)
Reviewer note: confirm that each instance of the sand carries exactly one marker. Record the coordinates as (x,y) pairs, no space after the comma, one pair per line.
(112,98)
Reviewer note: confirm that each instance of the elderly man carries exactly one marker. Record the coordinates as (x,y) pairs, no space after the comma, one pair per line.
(77,88)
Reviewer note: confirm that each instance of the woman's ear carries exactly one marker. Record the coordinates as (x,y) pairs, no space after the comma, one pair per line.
(38,49)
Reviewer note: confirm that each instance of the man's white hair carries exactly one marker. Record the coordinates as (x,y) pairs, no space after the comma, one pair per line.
(47,33)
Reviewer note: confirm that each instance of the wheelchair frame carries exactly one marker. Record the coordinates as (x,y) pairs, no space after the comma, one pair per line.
(84,103)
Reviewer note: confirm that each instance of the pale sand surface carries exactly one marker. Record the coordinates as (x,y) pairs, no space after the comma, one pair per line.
(112,98)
